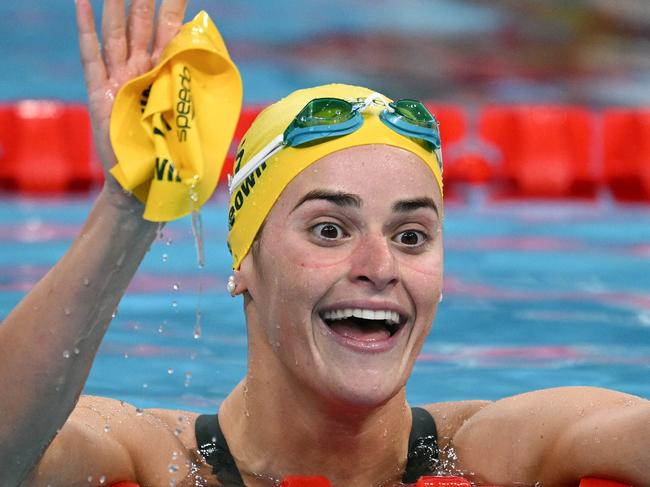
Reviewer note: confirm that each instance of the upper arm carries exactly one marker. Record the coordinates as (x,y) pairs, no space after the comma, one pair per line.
(556,436)
(106,441)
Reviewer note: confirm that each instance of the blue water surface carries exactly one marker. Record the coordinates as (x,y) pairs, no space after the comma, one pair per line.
(537,295)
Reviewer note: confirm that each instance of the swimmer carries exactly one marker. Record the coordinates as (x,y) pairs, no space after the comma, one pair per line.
(339,263)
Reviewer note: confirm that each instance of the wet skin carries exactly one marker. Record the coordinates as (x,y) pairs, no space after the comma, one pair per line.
(361,228)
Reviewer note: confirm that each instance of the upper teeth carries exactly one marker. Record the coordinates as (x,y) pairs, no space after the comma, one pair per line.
(366,314)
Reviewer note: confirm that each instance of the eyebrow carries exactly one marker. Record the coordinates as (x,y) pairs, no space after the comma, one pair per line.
(348,200)
(404,206)
(338,198)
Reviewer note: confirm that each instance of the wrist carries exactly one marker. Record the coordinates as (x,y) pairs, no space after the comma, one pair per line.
(123,206)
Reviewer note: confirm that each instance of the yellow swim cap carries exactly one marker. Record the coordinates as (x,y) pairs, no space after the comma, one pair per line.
(252,201)
(171,127)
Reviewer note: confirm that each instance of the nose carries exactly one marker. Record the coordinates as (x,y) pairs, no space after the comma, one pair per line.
(374,263)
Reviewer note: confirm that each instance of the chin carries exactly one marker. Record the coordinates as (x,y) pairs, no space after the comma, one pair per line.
(360,389)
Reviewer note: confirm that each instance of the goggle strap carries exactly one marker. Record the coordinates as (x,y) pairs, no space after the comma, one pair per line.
(267,152)
(371,98)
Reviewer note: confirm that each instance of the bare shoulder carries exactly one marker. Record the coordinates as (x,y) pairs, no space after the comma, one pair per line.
(522,432)
(180,423)
(145,445)
(450,416)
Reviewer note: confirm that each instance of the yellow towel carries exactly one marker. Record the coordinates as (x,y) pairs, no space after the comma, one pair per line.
(171,127)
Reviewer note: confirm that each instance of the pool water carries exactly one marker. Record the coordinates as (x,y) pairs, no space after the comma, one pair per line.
(537,294)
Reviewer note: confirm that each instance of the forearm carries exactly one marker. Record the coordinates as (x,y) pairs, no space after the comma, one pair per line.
(49,341)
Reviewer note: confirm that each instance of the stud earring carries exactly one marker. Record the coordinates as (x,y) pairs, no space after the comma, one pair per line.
(231,286)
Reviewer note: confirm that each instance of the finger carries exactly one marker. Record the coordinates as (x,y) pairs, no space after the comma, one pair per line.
(91,56)
(114,34)
(140,26)
(170,20)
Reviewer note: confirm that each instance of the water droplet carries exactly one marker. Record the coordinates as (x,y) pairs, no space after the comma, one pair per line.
(173,468)
(164,257)
(76,351)
(174,304)
(176,286)
(247,413)
(161,329)
(90,479)
(67,311)
(66,354)
(107,428)
(174,455)
(139,411)
(126,355)
(86,281)
(178,431)
(102,479)
(188,379)
(145,386)
(170,371)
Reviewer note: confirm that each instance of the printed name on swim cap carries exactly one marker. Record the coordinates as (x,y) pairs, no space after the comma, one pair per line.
(244,189)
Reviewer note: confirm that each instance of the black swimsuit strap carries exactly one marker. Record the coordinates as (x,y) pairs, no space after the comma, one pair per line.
(214,448)
(422,456)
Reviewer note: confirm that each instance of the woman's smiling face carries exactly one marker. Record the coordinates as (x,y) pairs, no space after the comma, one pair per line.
(345,278)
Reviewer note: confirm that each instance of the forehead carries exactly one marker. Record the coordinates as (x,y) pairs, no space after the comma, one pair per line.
(374,172)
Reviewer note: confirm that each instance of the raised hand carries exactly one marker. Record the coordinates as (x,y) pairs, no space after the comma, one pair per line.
(131,45)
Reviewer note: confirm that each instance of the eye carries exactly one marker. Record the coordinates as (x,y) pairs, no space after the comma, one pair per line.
(328,231)
(410,238)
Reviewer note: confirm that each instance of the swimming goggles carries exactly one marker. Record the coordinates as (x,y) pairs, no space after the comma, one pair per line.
(324,118)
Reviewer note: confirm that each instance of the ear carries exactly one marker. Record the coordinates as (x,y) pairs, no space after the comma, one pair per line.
(243,276)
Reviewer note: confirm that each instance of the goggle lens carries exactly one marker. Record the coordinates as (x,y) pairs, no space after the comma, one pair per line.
(415,112)
(324,111)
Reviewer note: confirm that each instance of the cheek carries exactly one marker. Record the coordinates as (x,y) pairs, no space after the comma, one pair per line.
(298,253)
(428,268)
(308,256)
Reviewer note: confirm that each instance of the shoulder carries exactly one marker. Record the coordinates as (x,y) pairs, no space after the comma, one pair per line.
(135,427)
(517,435)
(450,416)
(556,402)
(115,440)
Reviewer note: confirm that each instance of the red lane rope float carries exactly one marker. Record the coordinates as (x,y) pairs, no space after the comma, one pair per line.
(546,151)
(427,481)
(594,482)
(524,150)
(626,158)
(304,481)
(46,146)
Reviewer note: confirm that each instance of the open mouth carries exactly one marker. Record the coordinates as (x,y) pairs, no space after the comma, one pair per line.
(363,324)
